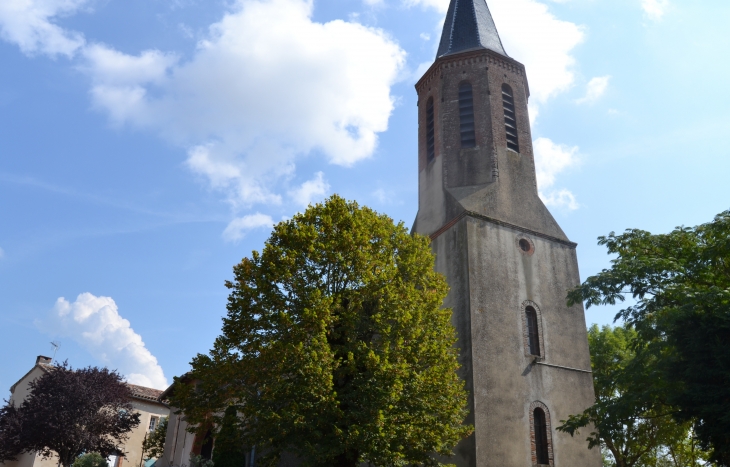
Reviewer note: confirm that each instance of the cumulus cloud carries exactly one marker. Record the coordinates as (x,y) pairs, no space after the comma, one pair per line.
(654,9)
(238,227)
(266,85)
(535,37)
(30,25)
(95,324)
(310,191)
(550,160)
(595,89)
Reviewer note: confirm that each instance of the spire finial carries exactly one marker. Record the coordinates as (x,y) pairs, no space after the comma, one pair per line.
(469,25)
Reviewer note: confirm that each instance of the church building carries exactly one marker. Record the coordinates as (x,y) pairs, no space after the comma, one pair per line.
(524,352)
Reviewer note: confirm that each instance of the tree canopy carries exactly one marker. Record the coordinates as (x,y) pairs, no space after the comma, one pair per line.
(680,285)
(69,412)
(335,347)
(632,428)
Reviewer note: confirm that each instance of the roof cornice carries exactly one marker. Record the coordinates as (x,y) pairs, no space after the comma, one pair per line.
(468,57)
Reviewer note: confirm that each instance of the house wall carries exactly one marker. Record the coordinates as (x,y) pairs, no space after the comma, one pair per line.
(178,442)
(133,445)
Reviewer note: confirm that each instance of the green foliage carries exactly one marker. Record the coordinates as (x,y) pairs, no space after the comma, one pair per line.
(632,428)
(200,461)
(154,444)
(230,450)
(680,284)
(92,459)
(335,347)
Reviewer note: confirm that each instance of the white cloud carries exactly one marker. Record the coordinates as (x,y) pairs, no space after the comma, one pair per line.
(95,323)
(535,37)
(654,9)
(550,160)
(29,24)
(238,227)
(266,85)
(595,89)
(2,253)
(562,198)
(310,191)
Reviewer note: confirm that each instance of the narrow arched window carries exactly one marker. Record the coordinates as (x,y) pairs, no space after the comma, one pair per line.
(466,116)
(430,134)
(533,333)
(541,437)
(510,121)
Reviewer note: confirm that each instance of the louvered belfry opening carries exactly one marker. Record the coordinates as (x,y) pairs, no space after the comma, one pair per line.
(430,134)
(510,122)
(466,116)
(533,336)
(541,440)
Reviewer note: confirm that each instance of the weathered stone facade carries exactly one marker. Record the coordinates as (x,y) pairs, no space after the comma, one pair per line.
(476,204)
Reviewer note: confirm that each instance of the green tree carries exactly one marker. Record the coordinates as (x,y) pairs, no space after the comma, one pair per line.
(92,459)
(230,450)
(630,427)
(336,348)
(153,445)
(680,284)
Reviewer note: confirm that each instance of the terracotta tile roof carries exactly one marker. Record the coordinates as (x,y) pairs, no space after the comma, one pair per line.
(141,392)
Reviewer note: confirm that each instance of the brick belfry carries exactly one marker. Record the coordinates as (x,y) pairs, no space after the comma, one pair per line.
(524,352)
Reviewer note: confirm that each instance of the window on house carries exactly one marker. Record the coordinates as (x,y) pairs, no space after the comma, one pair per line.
(510,121)
(541,439)
(533,335)
(430,134)
(466,116)
(154,421)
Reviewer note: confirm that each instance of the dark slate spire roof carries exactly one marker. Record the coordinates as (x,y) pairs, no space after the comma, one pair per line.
(469,25)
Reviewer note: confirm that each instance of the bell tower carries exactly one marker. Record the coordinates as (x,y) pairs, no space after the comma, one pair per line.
(524,352)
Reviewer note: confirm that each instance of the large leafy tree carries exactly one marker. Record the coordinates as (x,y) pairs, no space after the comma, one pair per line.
(631,427)
(67,413)
(680,285)
(336,348)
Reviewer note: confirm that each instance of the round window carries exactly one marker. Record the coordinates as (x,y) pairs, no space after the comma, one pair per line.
(525,245)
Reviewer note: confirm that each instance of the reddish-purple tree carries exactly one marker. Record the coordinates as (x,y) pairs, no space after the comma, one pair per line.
(69,412)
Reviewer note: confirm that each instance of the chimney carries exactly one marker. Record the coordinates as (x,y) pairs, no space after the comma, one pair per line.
(44,360)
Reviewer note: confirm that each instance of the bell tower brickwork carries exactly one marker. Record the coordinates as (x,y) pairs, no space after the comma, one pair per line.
(501,252)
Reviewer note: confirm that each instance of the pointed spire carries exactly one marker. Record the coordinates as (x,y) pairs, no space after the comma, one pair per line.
(469,25)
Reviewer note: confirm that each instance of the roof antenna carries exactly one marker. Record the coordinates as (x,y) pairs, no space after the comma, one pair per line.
(56,345)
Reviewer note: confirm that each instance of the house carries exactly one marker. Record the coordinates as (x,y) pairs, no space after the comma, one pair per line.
(145,400)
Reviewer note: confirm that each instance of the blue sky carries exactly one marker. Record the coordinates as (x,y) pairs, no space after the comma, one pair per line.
(146,146)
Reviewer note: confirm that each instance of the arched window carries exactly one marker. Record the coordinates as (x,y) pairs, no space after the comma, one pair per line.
(510,122)
(430,135)
(466,116)
(533,332)
(541,437)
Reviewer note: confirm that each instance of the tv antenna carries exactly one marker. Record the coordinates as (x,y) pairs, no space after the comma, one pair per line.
(56,345)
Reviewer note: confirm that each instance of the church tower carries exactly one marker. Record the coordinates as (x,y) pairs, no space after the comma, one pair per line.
(524,352)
